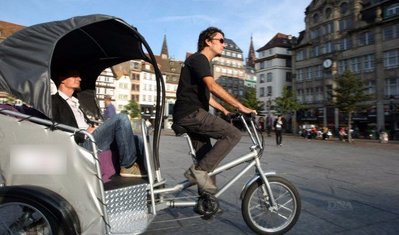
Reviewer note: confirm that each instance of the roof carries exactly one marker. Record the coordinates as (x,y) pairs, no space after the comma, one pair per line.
(7,29)
(231,45)
(279,40)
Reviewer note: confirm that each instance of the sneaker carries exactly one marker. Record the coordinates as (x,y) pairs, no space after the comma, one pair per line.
(201,178)
(133,171)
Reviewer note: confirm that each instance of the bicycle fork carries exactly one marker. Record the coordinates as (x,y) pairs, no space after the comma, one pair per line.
(267,191)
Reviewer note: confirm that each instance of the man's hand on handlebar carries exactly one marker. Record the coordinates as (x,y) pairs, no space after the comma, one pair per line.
(244,109)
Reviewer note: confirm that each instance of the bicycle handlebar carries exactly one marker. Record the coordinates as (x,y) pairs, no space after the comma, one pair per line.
(237,116)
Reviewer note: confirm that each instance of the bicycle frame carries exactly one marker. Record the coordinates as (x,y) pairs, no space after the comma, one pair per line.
(253,157)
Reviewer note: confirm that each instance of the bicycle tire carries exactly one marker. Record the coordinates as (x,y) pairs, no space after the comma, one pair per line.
(257,213)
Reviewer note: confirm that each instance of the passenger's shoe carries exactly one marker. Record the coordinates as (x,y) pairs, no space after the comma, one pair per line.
(133,171)
(201,178)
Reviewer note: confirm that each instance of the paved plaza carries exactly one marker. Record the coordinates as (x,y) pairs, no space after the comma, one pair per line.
(345,188)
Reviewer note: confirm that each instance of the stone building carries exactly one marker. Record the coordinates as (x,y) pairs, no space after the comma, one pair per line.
(357,35)
(273,70)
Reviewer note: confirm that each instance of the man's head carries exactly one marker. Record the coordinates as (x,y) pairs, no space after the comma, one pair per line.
(211,37)
(69,80)
(107,100)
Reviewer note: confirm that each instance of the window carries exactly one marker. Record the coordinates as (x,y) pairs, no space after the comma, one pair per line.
(316,18)
(300,55)
(262,65)
(300,75)
(318,72)
(345,24)
(314,33)
(344,8)
(269,91)
(366,38)
(368,63)
(392,87)
(288,77)
(262,78)
(308,75)
(370,87)
(328,12)
(342,65)
(391,32)
(391,59)
(329,27)
(315,51)
(392,10)
(262,92)
(355,65)
(269,77)
(345,44)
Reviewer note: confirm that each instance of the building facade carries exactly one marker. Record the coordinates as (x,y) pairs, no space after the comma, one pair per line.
(357,35)
(273,70)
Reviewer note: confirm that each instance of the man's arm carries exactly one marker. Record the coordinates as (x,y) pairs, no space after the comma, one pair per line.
(220,92)
(218,106)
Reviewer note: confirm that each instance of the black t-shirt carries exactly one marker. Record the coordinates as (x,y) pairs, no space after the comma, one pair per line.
(192,92)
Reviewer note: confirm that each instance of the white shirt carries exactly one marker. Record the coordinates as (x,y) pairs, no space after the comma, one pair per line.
(74,104)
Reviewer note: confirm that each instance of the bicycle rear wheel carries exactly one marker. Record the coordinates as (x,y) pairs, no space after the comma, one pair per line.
(261,217)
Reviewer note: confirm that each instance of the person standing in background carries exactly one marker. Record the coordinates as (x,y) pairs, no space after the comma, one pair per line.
(109,108)
(278,128)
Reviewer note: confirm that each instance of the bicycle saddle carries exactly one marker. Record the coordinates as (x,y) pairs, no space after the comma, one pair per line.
(179,130)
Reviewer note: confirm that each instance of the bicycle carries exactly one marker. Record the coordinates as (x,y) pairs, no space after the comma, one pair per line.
(270,204)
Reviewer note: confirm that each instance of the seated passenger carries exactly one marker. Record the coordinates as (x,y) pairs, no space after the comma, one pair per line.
(66,110)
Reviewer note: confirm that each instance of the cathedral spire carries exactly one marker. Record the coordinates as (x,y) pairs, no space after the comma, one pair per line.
(251,55)
(164,51)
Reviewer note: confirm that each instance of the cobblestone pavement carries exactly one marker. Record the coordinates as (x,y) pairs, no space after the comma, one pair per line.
(345,188)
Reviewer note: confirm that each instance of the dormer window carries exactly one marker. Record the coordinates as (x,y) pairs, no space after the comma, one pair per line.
(344,7)
(316,18)
(328,12)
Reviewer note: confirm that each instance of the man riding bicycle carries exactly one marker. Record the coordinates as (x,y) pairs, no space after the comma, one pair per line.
(192,106)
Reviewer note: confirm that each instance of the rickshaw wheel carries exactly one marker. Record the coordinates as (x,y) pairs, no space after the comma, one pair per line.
(26,211)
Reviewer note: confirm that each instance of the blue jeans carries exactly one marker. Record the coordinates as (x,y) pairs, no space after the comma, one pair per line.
(118,129)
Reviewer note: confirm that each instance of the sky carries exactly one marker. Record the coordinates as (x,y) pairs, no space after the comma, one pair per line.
(180,20)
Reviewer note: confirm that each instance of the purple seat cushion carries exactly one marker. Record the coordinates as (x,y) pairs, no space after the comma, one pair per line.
(106,165)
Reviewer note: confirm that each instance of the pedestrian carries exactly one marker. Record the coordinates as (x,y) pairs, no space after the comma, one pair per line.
(192,105)
(342,134)
(66,110)
(269,124)
(278,128)
(109,110)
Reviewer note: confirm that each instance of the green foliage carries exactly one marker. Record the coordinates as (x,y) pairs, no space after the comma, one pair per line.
(133,109)
(251,101)
(350,93)
(349,96)
(287,103)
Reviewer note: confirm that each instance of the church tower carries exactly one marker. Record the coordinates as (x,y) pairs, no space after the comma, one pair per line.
(250,62)
(164,51)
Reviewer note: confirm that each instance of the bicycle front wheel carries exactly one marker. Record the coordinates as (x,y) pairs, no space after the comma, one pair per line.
(264,219)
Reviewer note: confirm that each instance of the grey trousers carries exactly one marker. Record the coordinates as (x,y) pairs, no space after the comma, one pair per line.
(202,126)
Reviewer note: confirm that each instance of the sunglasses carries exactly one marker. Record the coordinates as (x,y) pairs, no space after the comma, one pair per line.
(221,40)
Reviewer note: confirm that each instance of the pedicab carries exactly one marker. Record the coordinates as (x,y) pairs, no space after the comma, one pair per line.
(51,185)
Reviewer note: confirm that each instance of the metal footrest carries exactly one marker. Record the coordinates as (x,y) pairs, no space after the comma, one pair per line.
(127,209)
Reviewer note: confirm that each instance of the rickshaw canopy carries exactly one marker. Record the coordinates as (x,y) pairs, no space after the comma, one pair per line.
(32,56)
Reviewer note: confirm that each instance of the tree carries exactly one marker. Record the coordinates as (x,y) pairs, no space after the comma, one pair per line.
(287,103)
(133,109)
(349,96)
(251,101)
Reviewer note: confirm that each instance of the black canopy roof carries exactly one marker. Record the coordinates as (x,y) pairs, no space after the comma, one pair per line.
(32,56)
